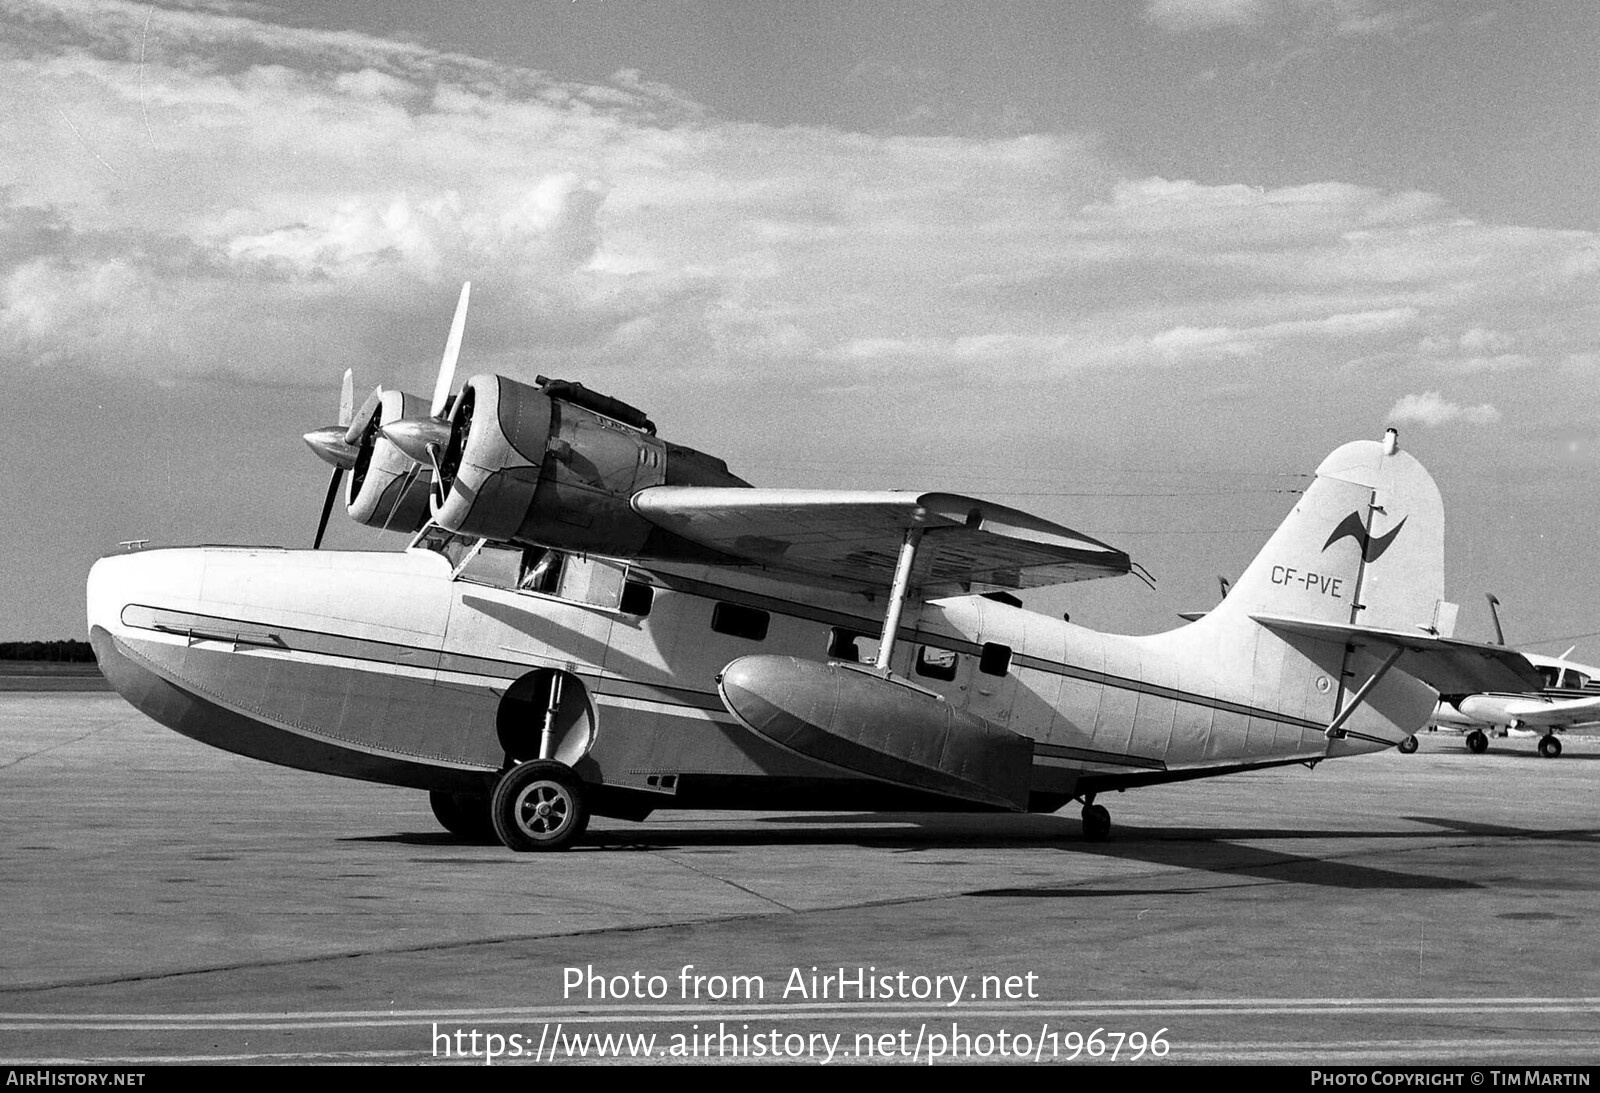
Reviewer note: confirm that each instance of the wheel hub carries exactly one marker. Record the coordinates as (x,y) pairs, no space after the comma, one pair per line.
(544,809)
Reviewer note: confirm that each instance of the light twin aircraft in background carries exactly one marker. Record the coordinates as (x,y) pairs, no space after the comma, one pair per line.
(1568,700)
(593,620)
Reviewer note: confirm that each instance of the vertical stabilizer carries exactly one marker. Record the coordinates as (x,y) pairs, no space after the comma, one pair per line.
(1364,546)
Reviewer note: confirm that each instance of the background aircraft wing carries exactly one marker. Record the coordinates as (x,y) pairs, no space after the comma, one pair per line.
(852,538)
(1447,665)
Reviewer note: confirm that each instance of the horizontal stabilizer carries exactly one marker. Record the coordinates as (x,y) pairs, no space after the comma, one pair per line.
(859,721)
(1447,665)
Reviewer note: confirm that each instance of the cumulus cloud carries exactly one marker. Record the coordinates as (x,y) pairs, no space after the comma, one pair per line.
(1308,18)
(1431,409)
(203,191)
(1191,15)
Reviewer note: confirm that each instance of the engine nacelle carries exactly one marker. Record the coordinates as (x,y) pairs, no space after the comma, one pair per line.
(557,465)
(386,489)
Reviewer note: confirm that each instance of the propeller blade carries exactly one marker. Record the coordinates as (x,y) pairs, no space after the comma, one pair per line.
(327,507)
(358,422)
(452,349)
(347,397)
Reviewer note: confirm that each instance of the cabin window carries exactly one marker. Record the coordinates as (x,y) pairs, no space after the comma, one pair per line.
(845,644)
(995,659)
(934,663)
(637,598)
(1550,674)
(593,581)
(739,621)
(1575,680)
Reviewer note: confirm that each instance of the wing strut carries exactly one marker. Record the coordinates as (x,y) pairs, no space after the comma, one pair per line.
(1332,731)
(897,594)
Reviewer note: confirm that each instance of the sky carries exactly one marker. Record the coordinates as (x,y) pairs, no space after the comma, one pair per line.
(1136,267)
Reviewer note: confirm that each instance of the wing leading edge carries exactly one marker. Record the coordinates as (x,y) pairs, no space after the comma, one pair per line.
(852,538)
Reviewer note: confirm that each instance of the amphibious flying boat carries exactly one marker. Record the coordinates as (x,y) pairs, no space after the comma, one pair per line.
(593,620)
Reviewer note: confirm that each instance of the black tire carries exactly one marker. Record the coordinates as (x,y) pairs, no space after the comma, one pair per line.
(1096,823)
(539,805)
(1549,746)
(465,815)
(1477,742)
(1407,746)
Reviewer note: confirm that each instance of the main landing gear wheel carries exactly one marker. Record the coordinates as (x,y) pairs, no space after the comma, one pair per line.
(465,815)
(1096,823)
(539,805)
(1549,746)
(1407,746)
(1477,743)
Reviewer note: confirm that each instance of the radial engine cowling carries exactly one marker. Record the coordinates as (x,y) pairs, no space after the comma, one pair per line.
(386,489)
(557,465)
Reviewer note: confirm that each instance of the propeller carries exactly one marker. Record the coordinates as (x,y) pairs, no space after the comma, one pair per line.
(331,446)
(424,439)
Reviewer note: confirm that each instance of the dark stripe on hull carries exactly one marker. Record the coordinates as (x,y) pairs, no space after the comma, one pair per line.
(379,652)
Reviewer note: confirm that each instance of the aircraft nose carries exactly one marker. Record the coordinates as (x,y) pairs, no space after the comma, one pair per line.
(155,578)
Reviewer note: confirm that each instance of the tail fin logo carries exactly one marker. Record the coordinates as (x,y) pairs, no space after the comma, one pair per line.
(1352,527)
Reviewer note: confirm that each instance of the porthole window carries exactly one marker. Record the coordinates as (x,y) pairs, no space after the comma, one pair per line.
(995,659)
(637,598)
(739,621)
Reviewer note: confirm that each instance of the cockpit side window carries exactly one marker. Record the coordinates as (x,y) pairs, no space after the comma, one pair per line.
(451,546)
(541,570)
(1550,674)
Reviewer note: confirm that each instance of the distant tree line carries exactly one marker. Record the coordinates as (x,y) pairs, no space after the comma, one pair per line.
(71,652)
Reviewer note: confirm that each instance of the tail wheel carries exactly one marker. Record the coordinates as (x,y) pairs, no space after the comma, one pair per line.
(1549,746)
(1407,746)
(539,805)
(1477,742)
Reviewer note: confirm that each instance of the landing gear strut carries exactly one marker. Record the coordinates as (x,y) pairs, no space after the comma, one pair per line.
(1549,746)
(539,805)
(1477,742)
(1096,821)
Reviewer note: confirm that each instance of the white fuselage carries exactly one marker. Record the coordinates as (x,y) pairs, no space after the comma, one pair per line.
(402,667)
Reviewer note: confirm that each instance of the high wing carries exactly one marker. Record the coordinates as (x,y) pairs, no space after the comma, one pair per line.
(853,538)
(1447,665)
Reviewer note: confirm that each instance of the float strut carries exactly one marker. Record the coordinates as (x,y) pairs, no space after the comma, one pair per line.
(897,594)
